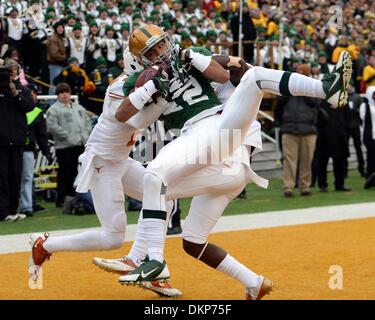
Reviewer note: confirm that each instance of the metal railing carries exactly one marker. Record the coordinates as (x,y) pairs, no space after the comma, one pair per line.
(54,97)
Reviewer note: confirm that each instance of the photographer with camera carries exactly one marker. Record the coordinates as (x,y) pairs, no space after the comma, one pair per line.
(15,102)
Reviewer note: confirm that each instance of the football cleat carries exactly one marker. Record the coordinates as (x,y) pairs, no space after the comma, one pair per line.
(120,266)
(335,84)
(259,292)
(124,265)
(151,270)
(162,288)
(38,254)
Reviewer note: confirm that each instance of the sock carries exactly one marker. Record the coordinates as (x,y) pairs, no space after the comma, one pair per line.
(138,250)
(237,270)
(154,215)
(285,83)
(300,85)
(85,241)
(155,235)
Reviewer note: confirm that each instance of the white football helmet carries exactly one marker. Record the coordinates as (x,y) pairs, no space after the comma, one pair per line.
(131,64)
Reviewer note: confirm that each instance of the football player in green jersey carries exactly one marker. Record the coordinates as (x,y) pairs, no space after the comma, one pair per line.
(190,71)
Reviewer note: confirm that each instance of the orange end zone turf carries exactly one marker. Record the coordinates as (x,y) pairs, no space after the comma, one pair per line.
(296,258)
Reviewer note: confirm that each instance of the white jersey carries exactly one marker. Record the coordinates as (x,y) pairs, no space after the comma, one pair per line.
(111,138)
(78,48)
(15,28)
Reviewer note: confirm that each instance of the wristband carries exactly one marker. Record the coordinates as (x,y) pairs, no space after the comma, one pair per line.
(142,95)
(199,61)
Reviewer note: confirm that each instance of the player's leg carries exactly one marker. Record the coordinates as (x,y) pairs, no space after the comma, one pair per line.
(106,189)
(203,215)
(108,196)
(242,107)
(169,165)
(332,88)
(132,186)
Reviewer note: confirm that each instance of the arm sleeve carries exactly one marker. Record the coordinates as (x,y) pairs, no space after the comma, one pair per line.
(147,116)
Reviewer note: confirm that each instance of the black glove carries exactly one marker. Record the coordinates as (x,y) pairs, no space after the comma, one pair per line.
(162,84)
(185,56)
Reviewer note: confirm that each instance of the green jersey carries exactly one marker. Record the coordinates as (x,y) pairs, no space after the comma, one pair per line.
(188,99)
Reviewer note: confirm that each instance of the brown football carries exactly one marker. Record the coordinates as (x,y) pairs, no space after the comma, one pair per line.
(149,73)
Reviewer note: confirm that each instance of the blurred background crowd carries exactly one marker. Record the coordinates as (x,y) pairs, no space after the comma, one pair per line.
(74,47)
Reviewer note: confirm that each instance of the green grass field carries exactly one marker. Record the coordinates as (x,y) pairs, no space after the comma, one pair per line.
(258,200)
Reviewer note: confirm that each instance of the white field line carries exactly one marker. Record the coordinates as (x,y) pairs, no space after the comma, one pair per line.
(19,242)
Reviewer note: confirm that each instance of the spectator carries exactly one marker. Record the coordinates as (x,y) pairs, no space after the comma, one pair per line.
(56,53)
(77,79)
(124,35)
(332,142)
(297,117)
(110,46)
(16,29)
(354,123)
(322,60)
(36,134)
(70,126)
(77,45)
(13,53)
(93,47)
(115,71)
(101,81)
(369,71)
(367,113)
(15,102)
(315,71)
(249,33)
(225,44)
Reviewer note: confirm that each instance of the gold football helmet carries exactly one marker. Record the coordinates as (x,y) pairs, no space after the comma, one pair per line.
(143,38)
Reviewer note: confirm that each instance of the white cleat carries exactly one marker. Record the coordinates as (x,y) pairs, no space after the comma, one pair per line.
(38,254)
(162,288)
(120,266)
(124,265)
(264,287)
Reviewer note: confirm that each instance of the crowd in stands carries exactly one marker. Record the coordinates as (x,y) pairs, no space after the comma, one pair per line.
(80,43)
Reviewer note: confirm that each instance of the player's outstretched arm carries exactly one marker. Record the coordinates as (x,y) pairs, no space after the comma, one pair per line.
(209,67)
(137,99)
(235,65)
(126,110)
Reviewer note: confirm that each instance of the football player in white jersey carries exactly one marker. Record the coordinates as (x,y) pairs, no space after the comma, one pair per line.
(109,173)
(194,109)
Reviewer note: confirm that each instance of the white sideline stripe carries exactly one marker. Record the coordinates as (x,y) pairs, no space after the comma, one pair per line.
(19,242)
